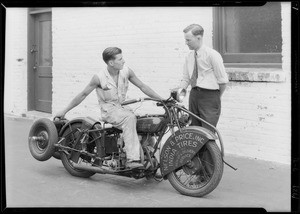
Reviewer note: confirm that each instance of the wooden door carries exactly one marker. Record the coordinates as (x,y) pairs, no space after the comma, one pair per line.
(42,67)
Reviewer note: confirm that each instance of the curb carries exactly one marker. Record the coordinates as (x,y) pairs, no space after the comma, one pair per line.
(17,118)
(27,117)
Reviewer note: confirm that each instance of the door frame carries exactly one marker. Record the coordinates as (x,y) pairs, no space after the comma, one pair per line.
(30,58)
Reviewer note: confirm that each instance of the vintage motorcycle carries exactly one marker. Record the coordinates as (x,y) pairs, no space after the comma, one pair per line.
(190,158)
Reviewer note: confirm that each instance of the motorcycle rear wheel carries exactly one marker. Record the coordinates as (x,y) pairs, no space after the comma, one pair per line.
(209,164)
(66,159)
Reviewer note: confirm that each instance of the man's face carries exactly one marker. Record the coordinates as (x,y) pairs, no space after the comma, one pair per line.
(193,42)
(118,62)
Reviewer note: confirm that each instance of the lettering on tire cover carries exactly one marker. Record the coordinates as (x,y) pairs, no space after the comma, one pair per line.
(180,148)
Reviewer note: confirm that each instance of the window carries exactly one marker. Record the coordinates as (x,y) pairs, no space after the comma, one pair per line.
(249,35)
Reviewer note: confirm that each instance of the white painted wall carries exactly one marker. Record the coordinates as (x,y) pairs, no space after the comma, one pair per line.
(151,40)
(15,85)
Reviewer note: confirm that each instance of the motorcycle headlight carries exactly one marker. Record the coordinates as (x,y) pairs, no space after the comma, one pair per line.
(178,94)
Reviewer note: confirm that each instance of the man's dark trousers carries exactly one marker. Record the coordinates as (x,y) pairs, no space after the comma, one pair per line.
(206,104)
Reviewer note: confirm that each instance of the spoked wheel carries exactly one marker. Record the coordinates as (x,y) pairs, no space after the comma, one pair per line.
(201,175)
(68,157)
(42,137)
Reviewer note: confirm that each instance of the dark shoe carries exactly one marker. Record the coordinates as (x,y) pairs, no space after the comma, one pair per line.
(134,164)
(158,174)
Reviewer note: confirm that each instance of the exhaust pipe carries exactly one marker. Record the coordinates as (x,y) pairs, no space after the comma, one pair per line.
(91,168)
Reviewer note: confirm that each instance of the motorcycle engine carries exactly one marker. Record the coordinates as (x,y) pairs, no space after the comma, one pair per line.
(115,155)
(148,141)
(110,143)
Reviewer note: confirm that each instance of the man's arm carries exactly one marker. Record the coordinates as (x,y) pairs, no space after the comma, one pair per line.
(143,87)
(222,88)
(80,97)
(219,71)
(185,81)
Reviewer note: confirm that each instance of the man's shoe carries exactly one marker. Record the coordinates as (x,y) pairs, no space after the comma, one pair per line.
(134,164)
(158,174)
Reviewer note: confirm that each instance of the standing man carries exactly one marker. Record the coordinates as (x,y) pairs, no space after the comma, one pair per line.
(111,86)
(205,72)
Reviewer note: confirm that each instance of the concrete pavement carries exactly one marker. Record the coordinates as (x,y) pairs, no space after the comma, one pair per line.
(30,183)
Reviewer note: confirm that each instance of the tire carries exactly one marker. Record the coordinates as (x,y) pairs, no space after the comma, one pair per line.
(42,149)
(209,172)
(66,158)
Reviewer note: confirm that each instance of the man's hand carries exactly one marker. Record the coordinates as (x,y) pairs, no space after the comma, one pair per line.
(222,88)
(60,114)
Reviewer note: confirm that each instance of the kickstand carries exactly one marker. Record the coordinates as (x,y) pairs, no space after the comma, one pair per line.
(229,165)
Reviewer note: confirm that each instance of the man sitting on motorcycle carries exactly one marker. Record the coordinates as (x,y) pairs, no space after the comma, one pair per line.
(111,86)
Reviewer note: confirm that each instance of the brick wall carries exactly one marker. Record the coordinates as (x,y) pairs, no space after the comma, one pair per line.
(256,119)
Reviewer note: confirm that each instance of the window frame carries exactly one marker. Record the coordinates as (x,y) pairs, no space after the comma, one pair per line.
(272,60)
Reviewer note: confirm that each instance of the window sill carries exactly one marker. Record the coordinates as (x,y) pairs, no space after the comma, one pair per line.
(260,74)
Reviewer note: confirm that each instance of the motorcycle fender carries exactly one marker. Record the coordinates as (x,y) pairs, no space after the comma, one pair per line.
(87,123)
(182,146)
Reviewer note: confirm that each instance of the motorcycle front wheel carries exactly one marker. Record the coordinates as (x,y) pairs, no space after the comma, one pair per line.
(200,176)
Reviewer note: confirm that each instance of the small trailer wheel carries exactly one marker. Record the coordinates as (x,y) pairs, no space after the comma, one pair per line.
(42,137)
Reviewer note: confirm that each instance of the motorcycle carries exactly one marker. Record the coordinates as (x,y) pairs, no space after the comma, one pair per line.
(190,158)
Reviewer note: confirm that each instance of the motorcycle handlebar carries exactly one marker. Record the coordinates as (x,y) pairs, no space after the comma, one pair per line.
(127,102)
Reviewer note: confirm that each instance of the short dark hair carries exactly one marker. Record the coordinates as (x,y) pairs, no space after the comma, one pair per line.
(195,29)
(110,53)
